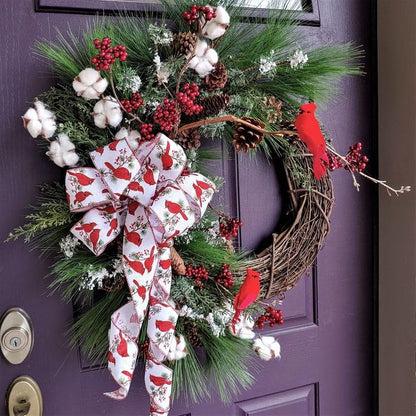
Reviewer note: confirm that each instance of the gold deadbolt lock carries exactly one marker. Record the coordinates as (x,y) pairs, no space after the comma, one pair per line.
(16,335)
(24,398)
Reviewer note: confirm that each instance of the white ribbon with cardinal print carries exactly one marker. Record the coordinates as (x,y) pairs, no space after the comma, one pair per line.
(143,195)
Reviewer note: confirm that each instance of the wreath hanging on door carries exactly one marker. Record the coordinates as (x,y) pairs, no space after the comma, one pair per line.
(135,227)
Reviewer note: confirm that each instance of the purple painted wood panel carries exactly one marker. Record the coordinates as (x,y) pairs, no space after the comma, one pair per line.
(334,352)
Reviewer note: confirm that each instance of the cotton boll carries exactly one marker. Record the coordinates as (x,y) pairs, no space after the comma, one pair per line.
(200,47)
(132,136)
(89,76)
(222,16)
(30,114)
(193,62)
(70,159)
(267,340)
(100,120)
(107,112)
(65,142)
(34,127)
(177,349)
(211,56)
(89,84)
(48,128)
(43,113)
(275,348)
(203,68)
(214,31)
(262,350)
(55,154)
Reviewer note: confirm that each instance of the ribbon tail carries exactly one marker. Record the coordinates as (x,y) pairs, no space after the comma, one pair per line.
(123,334)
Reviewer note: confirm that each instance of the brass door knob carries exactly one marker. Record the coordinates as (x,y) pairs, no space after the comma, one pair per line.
(24,398)
(16,335)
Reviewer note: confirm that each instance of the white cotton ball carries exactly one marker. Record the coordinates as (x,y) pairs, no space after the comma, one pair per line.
(194,62)
(214,31)
(65,142)
(89,94)
(201,48)
(267,340)
(42,112)
(89,76)
(262,350)
(30,114)
(113,113)
(122,134)
(101,85)
(99,107)
(222,16)
(211,55)
(70,159)
(275,349)
(55,154)
(203,68)
(100,120)
(48,128)
(246,333)
(34,127)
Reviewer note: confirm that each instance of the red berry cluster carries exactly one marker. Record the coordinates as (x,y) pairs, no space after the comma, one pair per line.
(166,115)
(193,13)
(107,55)
(186,99)
(144,348)
(270,315)
(334,162)
(146,131)
(133,104)
(225,277)
(229,227)
(357,161)
(199,274)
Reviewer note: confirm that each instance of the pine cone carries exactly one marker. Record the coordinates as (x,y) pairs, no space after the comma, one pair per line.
(213,105)
(189,139)
(184,43)
(217,79)
(177,263)
(193,335)
(274,107)
(112,284)
(245,138)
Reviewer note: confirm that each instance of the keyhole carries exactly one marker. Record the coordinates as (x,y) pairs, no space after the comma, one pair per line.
(15,342)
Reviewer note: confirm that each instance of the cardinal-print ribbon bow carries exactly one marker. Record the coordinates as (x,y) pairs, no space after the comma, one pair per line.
(143,195)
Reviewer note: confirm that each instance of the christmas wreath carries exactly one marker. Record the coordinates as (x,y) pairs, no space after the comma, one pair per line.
(138,245)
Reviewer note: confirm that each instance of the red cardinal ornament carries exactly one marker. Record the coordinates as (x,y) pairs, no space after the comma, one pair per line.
(167,160)
(120,172)
(159,381)
(83,180)
(310,133)
(247,294)
(175,208)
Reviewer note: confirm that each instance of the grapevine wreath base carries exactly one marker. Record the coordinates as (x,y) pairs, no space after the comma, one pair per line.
(135,239)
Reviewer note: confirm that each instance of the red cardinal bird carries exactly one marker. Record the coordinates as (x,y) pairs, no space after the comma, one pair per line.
(247,294)
(148,263)
(133,206)
(126,373)
(113,226)
(204,185)
(137,266)
(141,290)
(111,358)
(86,227)
(95,237)
(135,186)
(175,208)
(310,133)
(159,381)
(122,346)
(120,172)
(198,192)
(167,161)
(80,196)
(113,145)
(132,237)
(164,264)
(164,325)
(83,180)
(148,177)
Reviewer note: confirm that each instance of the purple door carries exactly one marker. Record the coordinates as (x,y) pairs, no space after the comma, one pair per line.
(327,363)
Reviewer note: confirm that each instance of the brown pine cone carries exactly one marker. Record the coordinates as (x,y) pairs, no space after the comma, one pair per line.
(193,335)
(184,43)
(112,284)
(274,108)
(217,79)
(189,139)
(213,104)
(245,138)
